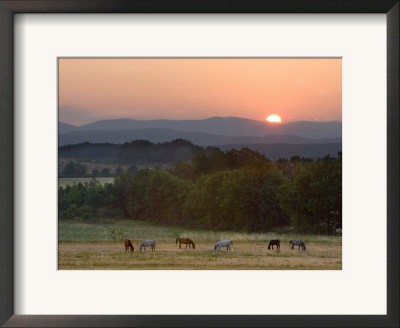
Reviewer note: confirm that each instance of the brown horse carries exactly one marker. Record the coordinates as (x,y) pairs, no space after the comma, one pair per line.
(275,242)
(128,246)
(186,241)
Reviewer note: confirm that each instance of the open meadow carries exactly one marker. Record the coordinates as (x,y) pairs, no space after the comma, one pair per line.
(99,245)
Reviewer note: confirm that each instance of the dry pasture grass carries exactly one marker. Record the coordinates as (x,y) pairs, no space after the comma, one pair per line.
(245,255)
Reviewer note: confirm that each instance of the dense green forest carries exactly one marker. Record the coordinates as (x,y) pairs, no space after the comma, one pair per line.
(238,190)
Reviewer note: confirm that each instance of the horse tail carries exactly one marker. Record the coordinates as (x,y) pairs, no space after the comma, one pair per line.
(194,246)
(176,241)
(231,242)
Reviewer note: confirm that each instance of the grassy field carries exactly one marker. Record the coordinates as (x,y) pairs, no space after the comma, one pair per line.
(99,245)
(63,182)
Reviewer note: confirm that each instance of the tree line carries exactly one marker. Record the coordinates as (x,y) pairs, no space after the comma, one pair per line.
(135,152)
(78,170)
(238,190)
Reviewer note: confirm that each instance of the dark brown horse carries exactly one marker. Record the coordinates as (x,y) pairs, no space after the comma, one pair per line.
(186,241)
(129,246)
(275,242)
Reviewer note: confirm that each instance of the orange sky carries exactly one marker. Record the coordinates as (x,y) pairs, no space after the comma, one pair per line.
(295,89)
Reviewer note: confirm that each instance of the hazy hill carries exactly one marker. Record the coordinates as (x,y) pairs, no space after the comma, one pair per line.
(66,128)
(161,135)
(142,151)
(135,152)
(222,126)
(283,150)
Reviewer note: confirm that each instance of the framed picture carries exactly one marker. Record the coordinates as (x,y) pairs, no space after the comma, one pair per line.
(199,163)
(171,179)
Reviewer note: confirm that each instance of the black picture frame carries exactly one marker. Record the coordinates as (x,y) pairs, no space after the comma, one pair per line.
(10,7)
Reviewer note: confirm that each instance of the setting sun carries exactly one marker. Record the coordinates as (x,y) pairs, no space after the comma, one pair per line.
(273,118)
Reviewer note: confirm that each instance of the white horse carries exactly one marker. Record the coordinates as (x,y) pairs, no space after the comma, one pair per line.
(148,243)
(223,243)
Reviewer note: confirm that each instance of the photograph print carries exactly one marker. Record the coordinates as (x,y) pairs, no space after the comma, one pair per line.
(199,164)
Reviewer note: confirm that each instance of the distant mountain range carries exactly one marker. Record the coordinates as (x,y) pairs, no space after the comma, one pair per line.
(214,131)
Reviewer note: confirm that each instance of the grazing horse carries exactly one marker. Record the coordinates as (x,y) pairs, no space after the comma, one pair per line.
(148,243)
(186,241)
(275,242)
(128,246)
(299,243)
(223,243)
